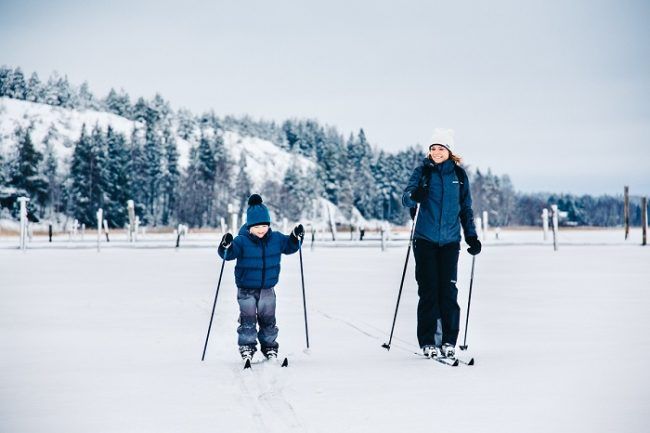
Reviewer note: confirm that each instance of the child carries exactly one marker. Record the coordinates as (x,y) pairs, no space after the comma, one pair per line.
(258,250)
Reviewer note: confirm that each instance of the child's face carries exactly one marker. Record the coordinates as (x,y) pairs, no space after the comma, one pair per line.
(259,231)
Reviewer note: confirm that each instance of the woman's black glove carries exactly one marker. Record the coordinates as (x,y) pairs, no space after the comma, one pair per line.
(298,233)
(474,245)
(419,194)
(226,240)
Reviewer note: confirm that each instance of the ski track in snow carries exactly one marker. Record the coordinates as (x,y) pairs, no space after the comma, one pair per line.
(356,327)
(264,395)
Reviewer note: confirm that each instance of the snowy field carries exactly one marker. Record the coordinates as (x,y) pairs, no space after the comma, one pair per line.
(112,341)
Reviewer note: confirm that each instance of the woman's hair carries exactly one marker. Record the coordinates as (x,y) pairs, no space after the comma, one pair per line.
(456,158)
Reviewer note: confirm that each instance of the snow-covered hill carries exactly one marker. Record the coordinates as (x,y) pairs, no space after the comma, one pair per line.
(264,159)
(65,124)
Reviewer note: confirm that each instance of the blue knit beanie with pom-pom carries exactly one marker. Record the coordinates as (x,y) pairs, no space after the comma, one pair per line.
(257,214)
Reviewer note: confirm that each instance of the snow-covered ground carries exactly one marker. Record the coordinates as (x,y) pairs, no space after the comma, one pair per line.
(112,342)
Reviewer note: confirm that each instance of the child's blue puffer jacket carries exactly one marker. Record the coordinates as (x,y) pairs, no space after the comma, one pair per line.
(258,260)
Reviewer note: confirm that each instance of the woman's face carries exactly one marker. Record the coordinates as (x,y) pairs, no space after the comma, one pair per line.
(438,153)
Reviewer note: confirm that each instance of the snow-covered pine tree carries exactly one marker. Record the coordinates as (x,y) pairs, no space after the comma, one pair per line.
(140,110)
(34,90)
(171,176)
(290,134)
(528,210)
(118,188)
(24,169)
(160,110)
(86,100)
(119,103)
(5,80)
(223,181)
(193,206)
(293,195)
(137,172)
(331,159)
(67,96)
(384,186)
(3,167)
(363,186)
(243,184)
(87,176)
(197,204)
(17,85)
(186,124)
(51,90)
(153,154)
(50,174)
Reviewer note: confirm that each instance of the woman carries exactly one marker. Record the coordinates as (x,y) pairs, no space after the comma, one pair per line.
(441,189)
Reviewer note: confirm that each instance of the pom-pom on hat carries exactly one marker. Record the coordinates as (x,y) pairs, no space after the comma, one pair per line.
(257,213)
(444,137)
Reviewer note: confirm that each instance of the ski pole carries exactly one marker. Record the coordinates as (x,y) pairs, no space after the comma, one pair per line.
(304,301)
(401,284)
(469,300)
(214,304)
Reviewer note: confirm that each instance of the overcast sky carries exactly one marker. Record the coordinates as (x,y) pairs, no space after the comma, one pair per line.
(554,93)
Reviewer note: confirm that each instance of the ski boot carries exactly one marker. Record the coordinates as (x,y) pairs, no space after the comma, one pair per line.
(270,353)
(448,350)
(431,351)
(246,352)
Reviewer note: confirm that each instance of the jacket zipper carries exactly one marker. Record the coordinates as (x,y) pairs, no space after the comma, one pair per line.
(442,204)
(263,263)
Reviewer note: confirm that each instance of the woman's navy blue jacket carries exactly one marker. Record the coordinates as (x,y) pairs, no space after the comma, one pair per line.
(447,206)
(258,260)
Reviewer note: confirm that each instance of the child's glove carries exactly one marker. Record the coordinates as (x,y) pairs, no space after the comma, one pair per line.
(298,232)
(226,240)
(474,245)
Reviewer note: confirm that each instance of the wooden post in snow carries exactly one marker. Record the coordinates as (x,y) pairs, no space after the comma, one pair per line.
(23,222)
(626,210)
(233,217)
(545,222)
(100,218)
(73,229)
(644,220)
(555,225)
(181,231)
(332,223)
(130,207)
(136,228)
(106,230)
(485,224)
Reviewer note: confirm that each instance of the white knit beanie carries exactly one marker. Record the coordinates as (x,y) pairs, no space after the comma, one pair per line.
(444,137)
